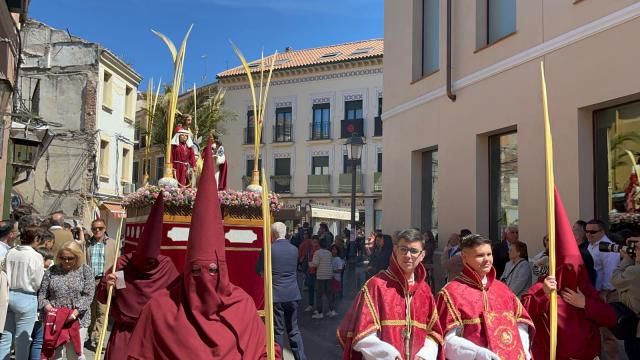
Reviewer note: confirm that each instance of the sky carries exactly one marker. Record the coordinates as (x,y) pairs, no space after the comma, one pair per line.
(123,26)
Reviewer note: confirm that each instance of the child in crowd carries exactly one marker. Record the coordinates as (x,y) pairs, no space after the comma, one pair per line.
(337,264)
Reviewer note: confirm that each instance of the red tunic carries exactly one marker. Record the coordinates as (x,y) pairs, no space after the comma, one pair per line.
(181,157)
(127,303)
(487,314)
(571,321)
(381,308)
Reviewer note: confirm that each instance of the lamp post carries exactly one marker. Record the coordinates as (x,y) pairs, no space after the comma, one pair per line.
(354,147)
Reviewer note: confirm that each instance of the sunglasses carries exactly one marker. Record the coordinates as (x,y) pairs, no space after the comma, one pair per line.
(592,231)
(97,228)
(404,250)
(66,258)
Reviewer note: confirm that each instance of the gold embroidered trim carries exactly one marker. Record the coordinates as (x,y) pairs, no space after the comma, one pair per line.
(372,309)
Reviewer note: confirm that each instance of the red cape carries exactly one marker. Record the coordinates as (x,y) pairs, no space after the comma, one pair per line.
(127,303)
(380,308)
(223,177)
(487,314)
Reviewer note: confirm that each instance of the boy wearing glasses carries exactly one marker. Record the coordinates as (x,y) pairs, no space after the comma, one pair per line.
(100,255)
(480,317)
(394,315)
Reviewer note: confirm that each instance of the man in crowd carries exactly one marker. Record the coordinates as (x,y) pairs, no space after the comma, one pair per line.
(580,234)
(146,274)
(478,313)
(451,258)
(56,221)
(286,294)
(501,250)
(394,315)
(605,264)
(204,316)
(8,234)
(626,279)
(325,234)
(100,255)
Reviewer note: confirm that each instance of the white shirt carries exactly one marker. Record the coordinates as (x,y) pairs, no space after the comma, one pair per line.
(25,269)
(604,263)
(4,248)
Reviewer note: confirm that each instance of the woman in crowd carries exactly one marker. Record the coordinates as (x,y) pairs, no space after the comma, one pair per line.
(518,273)
(379,259)
(69,284)
(25,268)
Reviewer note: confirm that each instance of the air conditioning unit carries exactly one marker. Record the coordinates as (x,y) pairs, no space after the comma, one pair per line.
(128,188)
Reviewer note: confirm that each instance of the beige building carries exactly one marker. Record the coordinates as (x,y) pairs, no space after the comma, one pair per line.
(478,162)
(318,98)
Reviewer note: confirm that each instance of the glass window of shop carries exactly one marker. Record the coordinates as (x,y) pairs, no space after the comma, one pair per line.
(503,183)
(617,193)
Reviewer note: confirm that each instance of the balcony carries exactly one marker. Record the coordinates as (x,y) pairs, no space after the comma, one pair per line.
(318,183)
(348,127)
(377,182)
(320,131)
(345,183)
(283,134)
(377,128)
(281,184)
(249,135)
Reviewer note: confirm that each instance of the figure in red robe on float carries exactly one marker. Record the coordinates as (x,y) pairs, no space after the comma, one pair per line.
(146,274)
(182,156)
(581,312)
(394,315)
(479,315)
(204,316)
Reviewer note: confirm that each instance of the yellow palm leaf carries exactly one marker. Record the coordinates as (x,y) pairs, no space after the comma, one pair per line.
(169,44)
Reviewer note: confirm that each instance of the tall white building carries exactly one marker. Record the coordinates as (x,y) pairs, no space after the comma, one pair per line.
(318,98)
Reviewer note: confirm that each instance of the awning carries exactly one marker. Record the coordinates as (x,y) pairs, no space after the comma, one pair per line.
(327,212)
(115,210)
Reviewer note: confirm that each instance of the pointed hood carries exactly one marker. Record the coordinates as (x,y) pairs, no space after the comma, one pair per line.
(570,269)
(149,243)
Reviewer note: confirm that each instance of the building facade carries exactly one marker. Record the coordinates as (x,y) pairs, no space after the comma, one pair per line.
(87,95)
(478,162)
(317,99)
(12,16)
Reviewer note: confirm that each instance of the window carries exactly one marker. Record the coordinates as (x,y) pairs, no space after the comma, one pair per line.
(347,165)
(377,219)
(250,164)
(353,109)
(250,130)
(430,36)
(129,103)
(320,165)
(364,50)
(495,20)
(616,129)
(104,158)
(126,161)
(159,167)
(320,126)
(377,129)
(379,162)
(107,89)
(503,183)
(282,177)
(283,128)
(429,187)
(329,55)
(135,178)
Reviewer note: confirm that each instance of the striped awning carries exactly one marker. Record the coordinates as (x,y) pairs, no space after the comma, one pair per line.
(115,210)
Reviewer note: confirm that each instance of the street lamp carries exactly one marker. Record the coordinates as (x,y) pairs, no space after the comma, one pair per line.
(354,147)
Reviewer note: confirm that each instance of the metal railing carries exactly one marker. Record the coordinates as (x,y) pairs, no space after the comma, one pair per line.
(321,131)
(348,127)
(318,183)
(283,133)
(344,183)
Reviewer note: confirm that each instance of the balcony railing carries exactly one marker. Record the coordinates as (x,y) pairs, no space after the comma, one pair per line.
(344,183)
(377,126)
(283,134)
(348,127)
(377,182)
(281,184)
(321,131)
(318,183)
(249,136)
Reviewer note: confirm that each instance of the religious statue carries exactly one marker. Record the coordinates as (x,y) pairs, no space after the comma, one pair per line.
(633,190)
(221,163)
(183,156)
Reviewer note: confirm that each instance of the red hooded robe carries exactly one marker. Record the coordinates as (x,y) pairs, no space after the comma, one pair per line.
(578,329)
(142,283)
(381,308)
(487,314)
(204,316)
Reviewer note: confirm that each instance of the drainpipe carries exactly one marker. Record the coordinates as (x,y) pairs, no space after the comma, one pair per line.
(450,93)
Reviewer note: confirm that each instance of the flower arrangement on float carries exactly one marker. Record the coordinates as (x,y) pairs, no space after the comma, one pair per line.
(624,220)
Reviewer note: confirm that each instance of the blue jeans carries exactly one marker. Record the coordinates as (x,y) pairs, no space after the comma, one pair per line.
(285,318)
(21,316)
(36,341)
